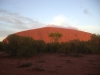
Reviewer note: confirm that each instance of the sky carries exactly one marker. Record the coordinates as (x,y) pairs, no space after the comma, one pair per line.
(20,15)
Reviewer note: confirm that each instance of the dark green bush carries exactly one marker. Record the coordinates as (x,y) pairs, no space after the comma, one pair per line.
(52,47)
(76,47)
(64,47)
(19,46)
(39,45)
(1,47)
(93,45)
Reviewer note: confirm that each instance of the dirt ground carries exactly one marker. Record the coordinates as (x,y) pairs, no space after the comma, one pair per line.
(50,64)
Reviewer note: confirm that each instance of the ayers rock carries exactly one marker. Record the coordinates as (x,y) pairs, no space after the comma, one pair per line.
(68,34)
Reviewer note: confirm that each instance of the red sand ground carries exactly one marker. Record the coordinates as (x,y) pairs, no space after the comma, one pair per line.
(51,64)
(68,34)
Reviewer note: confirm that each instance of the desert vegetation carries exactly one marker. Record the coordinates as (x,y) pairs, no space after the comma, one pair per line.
(55,36)
(36,57)
(22,46)
(1,47)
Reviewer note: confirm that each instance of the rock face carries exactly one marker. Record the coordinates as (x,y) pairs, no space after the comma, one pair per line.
(68,34)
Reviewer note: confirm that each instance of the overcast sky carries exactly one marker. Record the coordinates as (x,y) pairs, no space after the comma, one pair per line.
(19,15)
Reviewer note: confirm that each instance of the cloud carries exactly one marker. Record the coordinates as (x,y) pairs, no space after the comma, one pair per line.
(13,22)
(70,27)
(86,11)
(17,21)
(89,28)
(60,20)
(84,8)
(63,21)
(72,23)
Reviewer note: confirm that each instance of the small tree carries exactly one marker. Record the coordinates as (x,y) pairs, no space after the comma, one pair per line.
(55,36)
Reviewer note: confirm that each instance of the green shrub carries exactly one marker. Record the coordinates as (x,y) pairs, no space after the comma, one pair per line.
(64,47)
(39,45)
(1,47)
(19,46)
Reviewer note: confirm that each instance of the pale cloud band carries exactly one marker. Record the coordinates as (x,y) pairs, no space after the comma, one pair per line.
(13,22)
(65,22)
(60,20)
